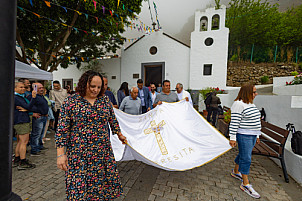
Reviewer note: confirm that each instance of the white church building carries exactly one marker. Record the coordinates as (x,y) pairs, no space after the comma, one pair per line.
(159,56)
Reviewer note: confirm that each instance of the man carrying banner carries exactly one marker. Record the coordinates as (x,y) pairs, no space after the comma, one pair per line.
(132,104)
(181,93)
(166,95)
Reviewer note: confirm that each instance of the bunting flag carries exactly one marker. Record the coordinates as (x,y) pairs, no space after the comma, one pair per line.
(172,136)
(64,8)
(47,3)
(31,2)
(37,15)
(94,3)
(118,3)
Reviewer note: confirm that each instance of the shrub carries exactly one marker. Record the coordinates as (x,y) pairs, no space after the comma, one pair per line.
(207,90)
(294,73)
(227,116)
(264,79)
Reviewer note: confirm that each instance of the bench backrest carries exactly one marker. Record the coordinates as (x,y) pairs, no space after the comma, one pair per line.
(276,133)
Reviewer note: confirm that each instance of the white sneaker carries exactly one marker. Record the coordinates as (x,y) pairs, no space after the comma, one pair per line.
(237,176)
(250,190)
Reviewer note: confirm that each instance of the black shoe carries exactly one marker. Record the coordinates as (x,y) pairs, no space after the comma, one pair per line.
(44,148)
(25,164)
(35,154)
(16,163)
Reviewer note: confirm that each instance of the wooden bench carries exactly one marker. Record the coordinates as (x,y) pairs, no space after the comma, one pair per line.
(272,144)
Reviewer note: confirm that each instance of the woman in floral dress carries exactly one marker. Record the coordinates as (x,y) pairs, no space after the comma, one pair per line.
(84,151)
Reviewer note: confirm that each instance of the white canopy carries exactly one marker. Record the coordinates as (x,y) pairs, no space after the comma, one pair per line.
(26,71)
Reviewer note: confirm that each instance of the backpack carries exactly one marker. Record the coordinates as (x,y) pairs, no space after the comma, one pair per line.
(208,99)
(296,142)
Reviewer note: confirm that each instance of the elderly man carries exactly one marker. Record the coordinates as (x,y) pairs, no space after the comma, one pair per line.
(39,122)
(109,93)
(181,93)
(165,95)
(132,104)
(144,95)
(58,94)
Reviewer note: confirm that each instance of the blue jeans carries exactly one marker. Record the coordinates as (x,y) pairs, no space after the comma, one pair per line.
(246,144)
(37,134)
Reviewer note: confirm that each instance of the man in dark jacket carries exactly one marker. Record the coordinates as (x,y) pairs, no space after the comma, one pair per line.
(144,95)
(22,125)
(38,126)
(213,109)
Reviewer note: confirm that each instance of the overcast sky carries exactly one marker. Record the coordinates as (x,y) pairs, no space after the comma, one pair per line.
(176,17)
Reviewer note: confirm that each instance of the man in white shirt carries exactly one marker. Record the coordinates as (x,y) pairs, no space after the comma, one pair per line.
(153,93)
(182,93)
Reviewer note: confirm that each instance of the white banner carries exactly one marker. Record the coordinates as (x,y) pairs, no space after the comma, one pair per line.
(173,136)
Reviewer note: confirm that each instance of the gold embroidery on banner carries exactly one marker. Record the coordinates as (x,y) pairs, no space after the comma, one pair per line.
(156,130)
(182,153)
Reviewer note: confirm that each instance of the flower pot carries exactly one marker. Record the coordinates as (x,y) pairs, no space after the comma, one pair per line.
(205,113)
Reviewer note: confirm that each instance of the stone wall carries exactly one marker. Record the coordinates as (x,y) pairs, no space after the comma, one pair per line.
(239,73)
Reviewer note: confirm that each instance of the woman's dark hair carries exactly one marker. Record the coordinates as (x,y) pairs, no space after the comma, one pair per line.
(124,87)
(86,78)
(246,93)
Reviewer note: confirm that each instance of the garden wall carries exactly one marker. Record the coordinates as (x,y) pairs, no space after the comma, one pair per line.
(240,72)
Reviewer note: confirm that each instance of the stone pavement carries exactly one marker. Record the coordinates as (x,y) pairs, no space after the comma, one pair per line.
(143,182)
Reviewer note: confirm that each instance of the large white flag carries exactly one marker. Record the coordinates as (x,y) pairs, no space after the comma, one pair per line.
(173,136)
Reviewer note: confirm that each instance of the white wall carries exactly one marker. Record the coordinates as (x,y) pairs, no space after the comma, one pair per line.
(112,68)
(280,88)
(72,72)
(278,110)
(174,54)
(215,54)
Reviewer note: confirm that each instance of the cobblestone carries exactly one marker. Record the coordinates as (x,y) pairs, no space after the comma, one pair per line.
(209,182)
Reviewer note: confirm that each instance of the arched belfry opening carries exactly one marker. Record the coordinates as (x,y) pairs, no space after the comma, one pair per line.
(204,23)
(215,22)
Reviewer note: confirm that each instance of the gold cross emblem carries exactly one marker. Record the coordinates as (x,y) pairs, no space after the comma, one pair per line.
(156,130)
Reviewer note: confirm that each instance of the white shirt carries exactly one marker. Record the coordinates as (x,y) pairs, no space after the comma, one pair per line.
(153,96)
(183,94)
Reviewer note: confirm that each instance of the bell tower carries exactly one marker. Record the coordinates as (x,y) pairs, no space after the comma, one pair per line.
(209,49)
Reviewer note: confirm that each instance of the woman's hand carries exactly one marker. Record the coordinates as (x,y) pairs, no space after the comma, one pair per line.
(122,138)
(233,143)
(258,141)
(62,162)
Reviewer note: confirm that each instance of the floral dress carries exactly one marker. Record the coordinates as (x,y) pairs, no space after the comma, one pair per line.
(83,129)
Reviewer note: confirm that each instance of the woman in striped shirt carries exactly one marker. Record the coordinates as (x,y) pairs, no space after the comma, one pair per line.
(245,129)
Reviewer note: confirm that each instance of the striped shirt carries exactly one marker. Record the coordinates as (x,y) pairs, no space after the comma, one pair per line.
(244,117)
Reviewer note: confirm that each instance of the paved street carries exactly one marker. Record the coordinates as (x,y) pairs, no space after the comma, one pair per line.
(143,182)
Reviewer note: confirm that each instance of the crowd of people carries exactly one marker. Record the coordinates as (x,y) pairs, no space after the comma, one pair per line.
(143,99)
(83,118)
(35,112)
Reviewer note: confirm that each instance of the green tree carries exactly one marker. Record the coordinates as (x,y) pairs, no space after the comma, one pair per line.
(251,22)
(63,32)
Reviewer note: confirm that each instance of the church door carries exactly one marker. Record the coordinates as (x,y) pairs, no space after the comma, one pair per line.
(153,73)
